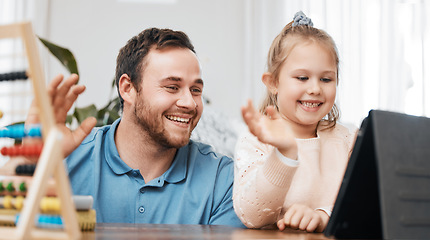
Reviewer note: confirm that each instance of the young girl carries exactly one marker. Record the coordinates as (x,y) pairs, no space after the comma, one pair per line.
(288,169)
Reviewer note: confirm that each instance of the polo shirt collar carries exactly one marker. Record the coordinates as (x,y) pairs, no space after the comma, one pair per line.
(176,172)
(117,165)
(178,169)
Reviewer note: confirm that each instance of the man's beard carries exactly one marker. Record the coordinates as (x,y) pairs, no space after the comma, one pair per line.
(151,123)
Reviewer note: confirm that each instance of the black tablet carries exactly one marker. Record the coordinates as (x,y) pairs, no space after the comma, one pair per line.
(385,192)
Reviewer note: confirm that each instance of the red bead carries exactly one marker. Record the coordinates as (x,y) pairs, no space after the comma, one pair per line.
(22,150)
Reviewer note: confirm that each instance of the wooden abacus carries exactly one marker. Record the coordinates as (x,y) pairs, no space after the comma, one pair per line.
(50,163)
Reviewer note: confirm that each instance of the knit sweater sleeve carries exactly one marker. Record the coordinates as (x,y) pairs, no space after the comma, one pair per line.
(261,182)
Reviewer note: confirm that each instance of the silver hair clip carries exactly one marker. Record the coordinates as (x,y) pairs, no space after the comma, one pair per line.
(301,19)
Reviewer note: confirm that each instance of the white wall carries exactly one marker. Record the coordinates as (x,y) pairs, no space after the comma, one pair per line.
(95,30)
(232,38)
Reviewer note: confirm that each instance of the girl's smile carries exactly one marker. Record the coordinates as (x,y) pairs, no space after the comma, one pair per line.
(310,106)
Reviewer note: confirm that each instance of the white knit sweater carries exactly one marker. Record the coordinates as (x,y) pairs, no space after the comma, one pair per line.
(265,185)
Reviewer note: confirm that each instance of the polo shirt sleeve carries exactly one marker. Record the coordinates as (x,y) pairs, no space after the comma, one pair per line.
(223,212)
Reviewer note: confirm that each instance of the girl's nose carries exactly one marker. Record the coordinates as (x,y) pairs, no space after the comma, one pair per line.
(314,87)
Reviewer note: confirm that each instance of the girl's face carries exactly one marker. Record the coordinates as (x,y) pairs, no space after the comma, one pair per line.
(307,84)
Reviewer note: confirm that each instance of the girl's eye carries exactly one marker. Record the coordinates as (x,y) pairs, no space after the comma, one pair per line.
(302,78)
(325,80)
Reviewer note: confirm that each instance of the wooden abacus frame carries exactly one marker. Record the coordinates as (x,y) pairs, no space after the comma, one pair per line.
(51,159)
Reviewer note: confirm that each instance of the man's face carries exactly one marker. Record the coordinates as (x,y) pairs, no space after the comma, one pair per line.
(169,104)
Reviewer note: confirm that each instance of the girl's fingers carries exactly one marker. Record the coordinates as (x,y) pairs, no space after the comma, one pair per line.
(303,218)
(296,219)
(250,116)
(304,222)
(272,113)
(281,225)
(313,225)
(288,215)
(324,218)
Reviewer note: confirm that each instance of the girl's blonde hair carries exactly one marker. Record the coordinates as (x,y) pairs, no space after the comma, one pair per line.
(279,51)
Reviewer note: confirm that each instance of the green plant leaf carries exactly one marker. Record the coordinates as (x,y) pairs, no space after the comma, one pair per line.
(64,55)
(69,119)
(82,113)
(104,116)
(110,112)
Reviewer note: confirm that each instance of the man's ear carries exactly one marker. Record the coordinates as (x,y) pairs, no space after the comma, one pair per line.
(270,82)
(126,89)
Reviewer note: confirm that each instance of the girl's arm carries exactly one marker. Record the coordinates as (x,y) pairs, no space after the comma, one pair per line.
(261,182)
(262,179)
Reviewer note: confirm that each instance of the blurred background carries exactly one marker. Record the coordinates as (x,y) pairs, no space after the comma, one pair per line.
(384,48)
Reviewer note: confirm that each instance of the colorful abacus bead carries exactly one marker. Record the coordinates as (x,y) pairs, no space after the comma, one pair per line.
(14,187)
(22,75)
(10,187)
(33,131)
(22,187)
(19,202)
(25,169)
(6,202)
(19,131)
(22,150)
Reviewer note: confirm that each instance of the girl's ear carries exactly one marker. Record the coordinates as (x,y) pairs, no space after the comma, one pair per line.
(270,82)
(126,89)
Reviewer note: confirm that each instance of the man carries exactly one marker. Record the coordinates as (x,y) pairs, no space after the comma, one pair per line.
(143,168)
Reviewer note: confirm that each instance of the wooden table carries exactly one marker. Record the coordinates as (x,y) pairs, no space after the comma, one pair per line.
(166,231)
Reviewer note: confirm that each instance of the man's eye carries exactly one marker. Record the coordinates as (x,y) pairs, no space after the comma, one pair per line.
(196,90)
(302,78)
(172,87)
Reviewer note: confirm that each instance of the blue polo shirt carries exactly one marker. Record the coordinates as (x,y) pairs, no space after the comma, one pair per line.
(196,189)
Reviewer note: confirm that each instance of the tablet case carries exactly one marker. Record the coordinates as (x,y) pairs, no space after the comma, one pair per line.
(385,192)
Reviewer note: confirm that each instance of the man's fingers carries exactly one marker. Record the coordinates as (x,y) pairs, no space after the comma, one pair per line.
(78,135)
(33,114)
(66,103)
(72,95)
(64,88)
(53,85)
(63,95)
(82,131)
(55,82)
